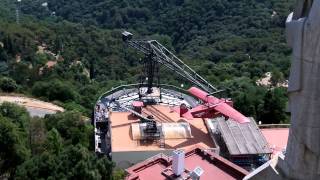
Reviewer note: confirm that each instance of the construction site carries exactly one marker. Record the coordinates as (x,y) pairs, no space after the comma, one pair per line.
(197,90)
(135,122)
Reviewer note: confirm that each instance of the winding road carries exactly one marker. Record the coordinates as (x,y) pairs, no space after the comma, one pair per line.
(34,107)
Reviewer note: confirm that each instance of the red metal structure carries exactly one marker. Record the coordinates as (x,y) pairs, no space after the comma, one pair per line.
(213,107)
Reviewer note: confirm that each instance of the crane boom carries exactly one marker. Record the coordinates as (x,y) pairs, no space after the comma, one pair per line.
(154,51)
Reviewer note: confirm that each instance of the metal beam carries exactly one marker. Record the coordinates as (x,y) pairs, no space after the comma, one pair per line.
(163,56)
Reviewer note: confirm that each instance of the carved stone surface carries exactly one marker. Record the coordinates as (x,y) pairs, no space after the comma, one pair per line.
(302,159)
(303,150)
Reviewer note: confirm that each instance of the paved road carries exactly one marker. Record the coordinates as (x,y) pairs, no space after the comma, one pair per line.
(35,107)
(39,112)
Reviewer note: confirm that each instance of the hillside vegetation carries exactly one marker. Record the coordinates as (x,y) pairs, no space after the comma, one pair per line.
(71,51)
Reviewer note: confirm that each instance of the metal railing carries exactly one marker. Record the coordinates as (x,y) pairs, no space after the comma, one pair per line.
(268,126)
(137,85)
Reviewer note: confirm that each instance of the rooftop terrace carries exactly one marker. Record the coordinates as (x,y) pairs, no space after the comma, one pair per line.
(214,166)
(122,140)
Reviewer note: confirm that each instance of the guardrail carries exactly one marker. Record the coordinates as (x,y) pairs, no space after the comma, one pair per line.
(267,126)
(121,87)
(127,86)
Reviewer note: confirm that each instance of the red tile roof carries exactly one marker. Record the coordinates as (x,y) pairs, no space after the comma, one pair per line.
(159,167)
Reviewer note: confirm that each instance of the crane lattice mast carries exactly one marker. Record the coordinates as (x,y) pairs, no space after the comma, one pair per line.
(155,54)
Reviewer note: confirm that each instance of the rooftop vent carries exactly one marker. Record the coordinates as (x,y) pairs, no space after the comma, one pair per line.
(178,162)
(137,106)
(196,173)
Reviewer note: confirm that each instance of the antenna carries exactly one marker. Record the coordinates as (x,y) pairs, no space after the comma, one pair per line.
(18,5)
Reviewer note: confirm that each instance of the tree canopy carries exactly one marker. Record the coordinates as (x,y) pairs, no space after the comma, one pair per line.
(222,40)
(55,147)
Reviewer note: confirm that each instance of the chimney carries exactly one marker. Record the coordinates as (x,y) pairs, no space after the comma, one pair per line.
(178,162)
(196,173)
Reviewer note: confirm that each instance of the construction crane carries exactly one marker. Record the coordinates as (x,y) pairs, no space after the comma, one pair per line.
(156,54)
(146,119)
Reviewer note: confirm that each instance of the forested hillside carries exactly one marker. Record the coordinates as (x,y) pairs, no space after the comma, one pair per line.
(69,52)
(229,42)
(203,30)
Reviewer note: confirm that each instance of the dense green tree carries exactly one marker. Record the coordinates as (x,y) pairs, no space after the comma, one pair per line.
(7,84)
(3,55)
(246,96)
(9,45)
(276,77)
(71,126)
(16,114)
(54,90)
(37,133)
(75,162)
(13,150)
(22,73)
(54,142)
(274,107)
(3,68)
